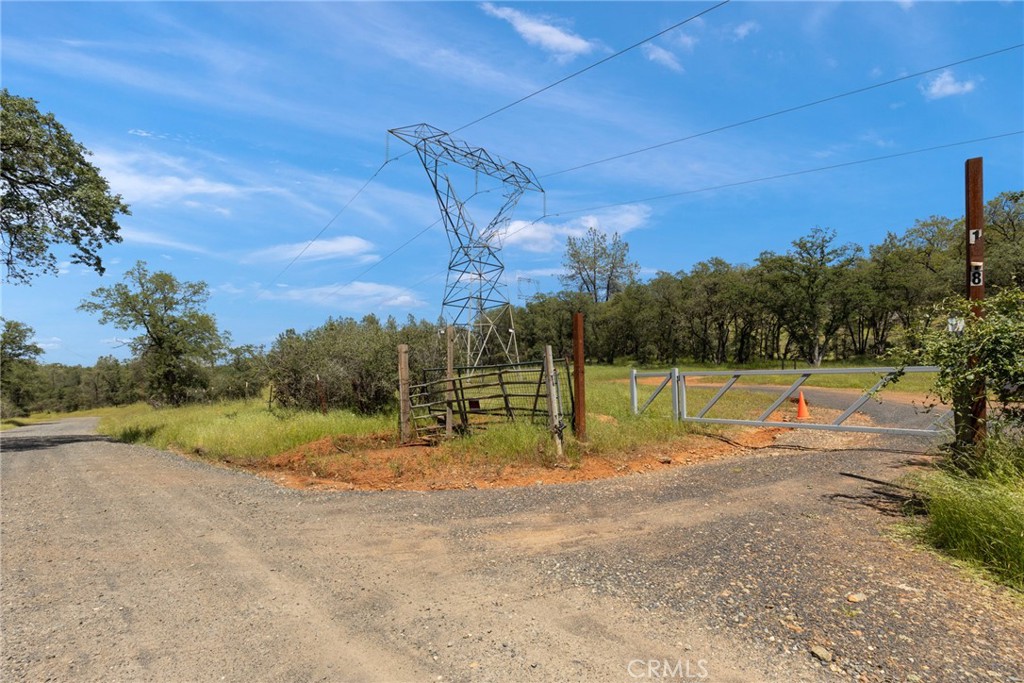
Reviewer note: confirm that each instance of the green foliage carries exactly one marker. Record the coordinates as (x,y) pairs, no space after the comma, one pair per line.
(990,347)
(597,267)
(178,341)
(51,194)
(241,375)
(809,289)
(18,360)
(345,364)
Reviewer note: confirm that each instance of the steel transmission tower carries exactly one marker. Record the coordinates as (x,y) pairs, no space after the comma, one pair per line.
(475,299)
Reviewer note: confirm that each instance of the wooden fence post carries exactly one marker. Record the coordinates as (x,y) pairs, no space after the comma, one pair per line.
(579,386)
(404,401)
(554,419)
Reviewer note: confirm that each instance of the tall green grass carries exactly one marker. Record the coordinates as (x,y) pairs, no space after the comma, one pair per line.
(979,516)
(248,431)
(236,429)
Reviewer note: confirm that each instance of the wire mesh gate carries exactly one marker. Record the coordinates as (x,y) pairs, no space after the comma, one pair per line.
(484,395)
(676,381)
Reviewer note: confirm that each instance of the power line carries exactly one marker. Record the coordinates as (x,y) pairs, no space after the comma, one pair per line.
(788,175)
(334,218)
(595,64)
(783,111)
(722,187)
(487,116)
(380,261)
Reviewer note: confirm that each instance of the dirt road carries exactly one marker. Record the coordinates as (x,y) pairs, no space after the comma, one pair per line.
(124,563)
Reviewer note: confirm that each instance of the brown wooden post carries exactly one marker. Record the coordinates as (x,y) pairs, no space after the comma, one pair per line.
(404,402)
(975,235)
(449,339)
(579,386)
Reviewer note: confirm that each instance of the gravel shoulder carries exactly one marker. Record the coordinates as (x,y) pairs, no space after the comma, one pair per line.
(125,563)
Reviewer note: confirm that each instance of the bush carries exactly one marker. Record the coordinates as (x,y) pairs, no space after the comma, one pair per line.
(351,365)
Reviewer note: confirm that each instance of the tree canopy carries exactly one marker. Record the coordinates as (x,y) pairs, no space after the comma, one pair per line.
(178,340)
(596,266)
(51,195)
(18,356)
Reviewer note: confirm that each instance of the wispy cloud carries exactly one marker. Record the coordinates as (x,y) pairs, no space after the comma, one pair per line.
(355,296)
(48,343)
(945,84)
(137,236)
(548,237)
(745,29)
(686,41)
(660,55)
(344,247)
(157,178)
(542,32)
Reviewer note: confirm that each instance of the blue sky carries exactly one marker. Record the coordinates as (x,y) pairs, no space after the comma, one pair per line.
(237,132)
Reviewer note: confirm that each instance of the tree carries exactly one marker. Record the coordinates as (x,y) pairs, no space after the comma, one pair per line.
(595,266)
(1004,241)
(810,290)
(50,194)
(179,342)
(18,356)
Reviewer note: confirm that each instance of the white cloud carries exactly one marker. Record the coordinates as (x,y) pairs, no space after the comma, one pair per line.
(158,179)
(745,29)
(355,296)
(137,236)
(345,247)
(660,55)
(540,31)
(946,85)
(547,237)
(873,137)
(48,343)
(686,41)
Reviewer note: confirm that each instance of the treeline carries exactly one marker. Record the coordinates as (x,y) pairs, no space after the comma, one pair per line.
(818,300)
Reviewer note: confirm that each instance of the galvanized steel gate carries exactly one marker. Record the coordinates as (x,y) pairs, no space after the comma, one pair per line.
(676,380)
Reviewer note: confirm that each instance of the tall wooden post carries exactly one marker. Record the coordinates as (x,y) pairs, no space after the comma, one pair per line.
(974,223)
(404,402)
(449,338)
(579,386)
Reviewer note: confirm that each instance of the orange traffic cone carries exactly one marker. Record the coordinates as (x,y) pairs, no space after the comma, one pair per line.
(801,408)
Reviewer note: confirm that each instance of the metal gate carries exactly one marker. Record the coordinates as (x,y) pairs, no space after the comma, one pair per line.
(676,380)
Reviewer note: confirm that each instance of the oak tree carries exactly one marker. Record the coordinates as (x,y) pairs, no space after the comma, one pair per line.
(51,195)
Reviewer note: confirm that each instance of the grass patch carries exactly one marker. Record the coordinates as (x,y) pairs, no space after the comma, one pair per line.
(248,432)
(978,517)
(235,430)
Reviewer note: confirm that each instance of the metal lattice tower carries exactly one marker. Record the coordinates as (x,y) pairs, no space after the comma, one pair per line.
(475,300)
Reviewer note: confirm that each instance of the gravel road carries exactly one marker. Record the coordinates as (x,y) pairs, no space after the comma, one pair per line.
(123,563)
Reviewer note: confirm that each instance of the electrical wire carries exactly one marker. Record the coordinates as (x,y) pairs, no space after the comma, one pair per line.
(791,173)
(736,184)
(595,64)
(331,222)
(780,112)
(755,119)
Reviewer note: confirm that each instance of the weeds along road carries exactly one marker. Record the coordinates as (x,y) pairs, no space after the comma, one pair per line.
(123,563)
